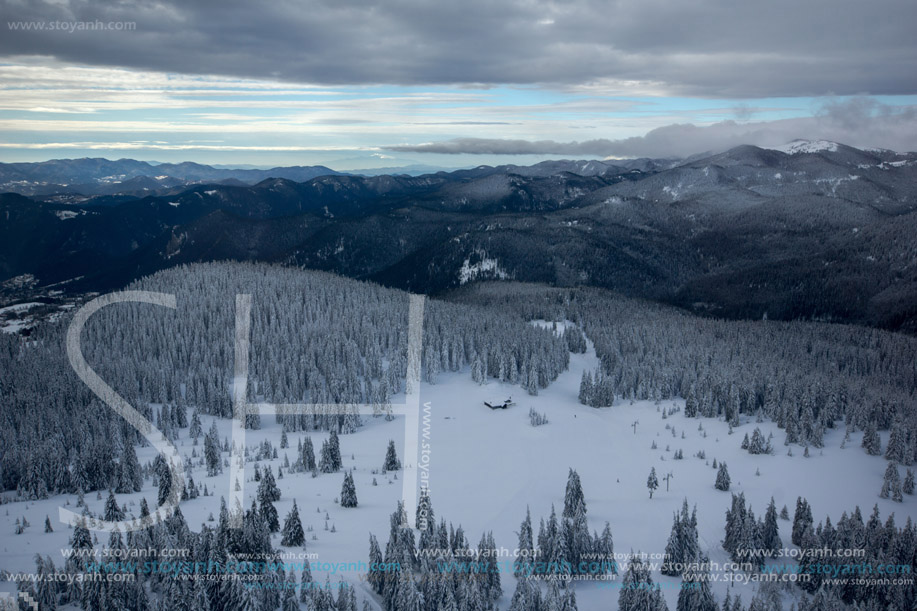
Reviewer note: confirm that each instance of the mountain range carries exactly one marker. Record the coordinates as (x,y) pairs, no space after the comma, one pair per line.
(75,180)
(816,230)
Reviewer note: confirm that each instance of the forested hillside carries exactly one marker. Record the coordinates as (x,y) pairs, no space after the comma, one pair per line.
(807,377)
(788,390)
(316,338)
(822,234)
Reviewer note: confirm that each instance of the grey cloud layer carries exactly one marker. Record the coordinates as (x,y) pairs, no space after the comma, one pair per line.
(858,122)
(692,47)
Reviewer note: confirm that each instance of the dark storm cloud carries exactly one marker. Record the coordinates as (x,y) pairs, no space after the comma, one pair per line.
(692,47)
(858,121)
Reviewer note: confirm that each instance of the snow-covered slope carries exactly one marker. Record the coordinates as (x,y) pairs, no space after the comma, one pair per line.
(806,146)
(488,466)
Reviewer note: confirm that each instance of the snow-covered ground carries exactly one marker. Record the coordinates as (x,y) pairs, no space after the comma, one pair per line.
(487,466)
(489,268)
(13,318)
(807,146)
(20,307)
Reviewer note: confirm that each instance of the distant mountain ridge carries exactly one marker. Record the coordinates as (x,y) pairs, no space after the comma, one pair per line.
(97,176)
(77,180)
(822,231)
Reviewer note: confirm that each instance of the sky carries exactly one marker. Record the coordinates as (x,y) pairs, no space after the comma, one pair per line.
(379,83)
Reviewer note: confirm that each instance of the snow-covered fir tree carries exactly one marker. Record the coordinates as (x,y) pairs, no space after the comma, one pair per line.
(638,592)
(391,462)
(722,478)
(758,444)
(307,455)
(268,493)
(908,486)
(899,449)
(292,533)
(891,484)
(573,495)
(523,566)
(113,512)
(871,442)
(770,533)
(802,519)
(695,594)
(683,548)
(348,491)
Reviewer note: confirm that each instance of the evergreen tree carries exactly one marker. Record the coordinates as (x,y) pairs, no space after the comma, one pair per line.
(377,573)
(325,460)
(130,478)
(576,341)
(605,550)
(212,452)
(335,445)
(550,544)
(898,449)
(735,524)
(80,543)
(305,584)
(200,600)
(758,444)
(45,593)
(871,442)
(743,530)
(266,508)
(181,416)
(652,482)
(348,492)
(268,486)
(289,594)
(165,487)
(307,455)
(578,543)
(330,460)
(682,548)
(486,557)
(391,462)
(113,512)
(891,484)
(477,370)
(586,389)
(196,430)
(527,596)
(574,494)
(695,594)
(771,531)
(638,592)
(908,486)
(809,562)
(531,382)
(722,478)
(802,519)
(292,534)
(523,566)
(407,597)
